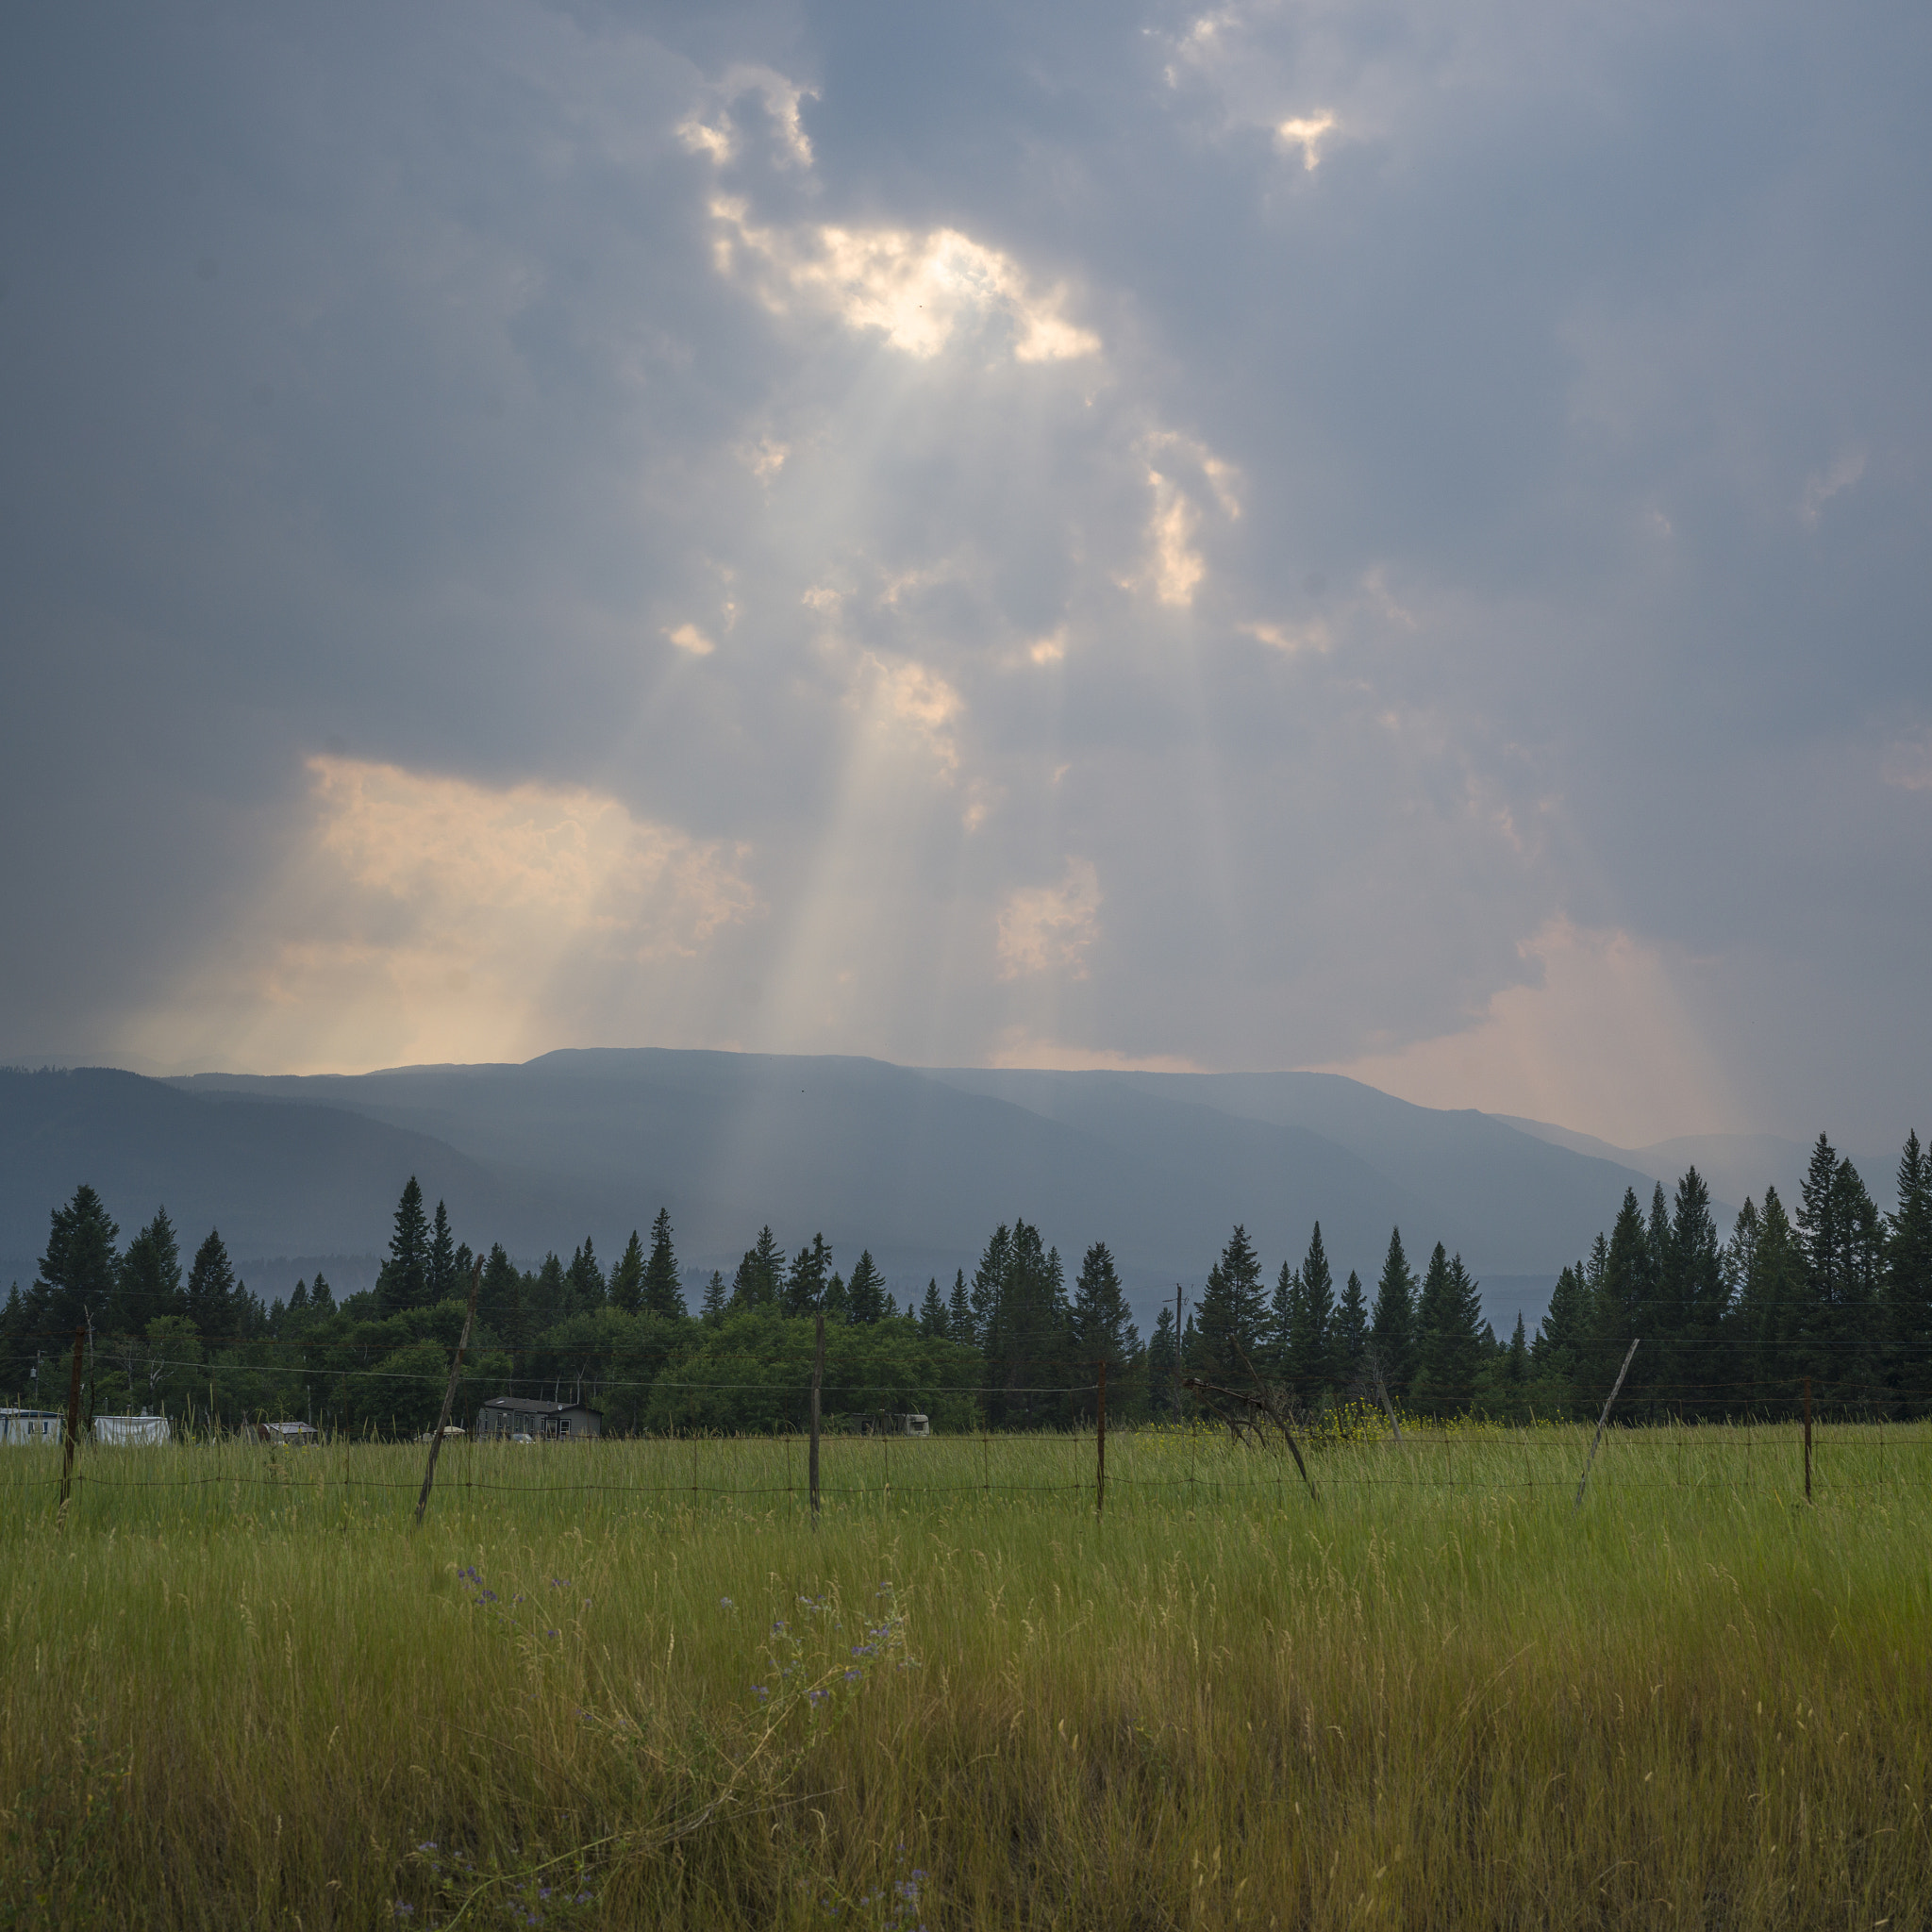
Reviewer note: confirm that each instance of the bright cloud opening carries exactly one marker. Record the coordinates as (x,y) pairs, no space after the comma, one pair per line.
(1307,133)
(1046,928)
(918,290)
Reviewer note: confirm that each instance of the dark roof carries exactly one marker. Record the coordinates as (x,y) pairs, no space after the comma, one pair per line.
(523,1405)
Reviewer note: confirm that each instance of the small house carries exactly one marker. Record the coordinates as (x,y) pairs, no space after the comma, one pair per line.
(130,1431)
(293,1435)
(29,1425)
(514,1418)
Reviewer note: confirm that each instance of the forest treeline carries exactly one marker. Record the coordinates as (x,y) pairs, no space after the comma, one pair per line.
(1834,1295)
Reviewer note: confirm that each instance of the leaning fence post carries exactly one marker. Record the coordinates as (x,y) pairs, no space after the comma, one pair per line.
(818,1376)
(1381,1389)
(449,1394)
(1602,1420)
(1807,1439)
(1100,1446)
(72,1425)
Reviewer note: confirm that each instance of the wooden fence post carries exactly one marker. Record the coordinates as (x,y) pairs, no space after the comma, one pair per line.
(1381,1389)
(1807,1438)
(449,1394)
(1601,1420)
(818,1376)
(72,1425)
(1100,1446)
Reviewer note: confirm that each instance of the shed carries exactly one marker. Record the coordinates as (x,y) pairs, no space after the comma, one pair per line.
(126,1431)
(295,1433)
(508,1417)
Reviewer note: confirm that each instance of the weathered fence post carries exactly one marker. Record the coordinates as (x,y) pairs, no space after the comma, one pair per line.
(1381,1389)
(1807,1438)
(1100,1446)
(72,1428)
(449,1394)
(1602,1420)
(818,1376)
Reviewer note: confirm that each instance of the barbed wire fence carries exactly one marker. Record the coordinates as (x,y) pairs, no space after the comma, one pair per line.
(1730,1435)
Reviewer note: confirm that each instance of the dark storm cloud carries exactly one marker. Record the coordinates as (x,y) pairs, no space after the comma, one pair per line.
(1195,535)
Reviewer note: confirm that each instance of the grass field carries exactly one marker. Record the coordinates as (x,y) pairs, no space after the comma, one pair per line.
(627,1684)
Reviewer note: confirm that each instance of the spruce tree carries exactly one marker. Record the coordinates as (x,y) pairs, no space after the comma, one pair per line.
(211,1291)
(1449,1325)
(1233,1312)
(1276,1343)
(989,1283)
(960,1322)
(717,1299)
(404,1282)
(1311,1315)
(1103,1327)
(663,1294)
(77,1272)
(1564,1337)
(1908,1282)
(865,1293)
(444,1285)
(627,1278)
(148,1281)
(1350,1334)
(1769,1311)
(496,1294)
(1392,1322)
(932,1311)
(586,1292)
(1701,1373)
(760,1278)
(1620,1294)
(805,1286)
(1163,1366)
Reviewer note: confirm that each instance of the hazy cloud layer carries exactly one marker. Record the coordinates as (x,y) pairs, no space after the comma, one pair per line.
(1372,536)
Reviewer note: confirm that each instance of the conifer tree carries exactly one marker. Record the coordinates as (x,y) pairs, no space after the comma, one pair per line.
(932,1311)
(1103,1329)
(1233,1313)
(805,1286)
(865,1293)
(1908,1281)
(211,1291)
(1392,1322)
(833,1301)
(1700,1371)
(1311,1313)
(1770,1306)
(960,1324)
(444,1285)
(760,1278)
(717,1299)
(1349,1333)
(586,1292)
(1449,1329)
(626,1287)
(989,1282)
(321,1300)
(1163,1367)
(404,1282)
(1564,1337)
(77,1278)
(663,1291)
(1277,1342)
(148,1281)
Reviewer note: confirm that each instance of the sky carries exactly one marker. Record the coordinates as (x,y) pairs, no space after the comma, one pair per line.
(1386,538)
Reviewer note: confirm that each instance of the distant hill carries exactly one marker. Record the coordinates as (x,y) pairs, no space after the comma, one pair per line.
(917,1164)
(1733,1165)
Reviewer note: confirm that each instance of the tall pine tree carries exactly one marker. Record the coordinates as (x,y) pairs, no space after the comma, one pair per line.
(148,1284)
(663,1294)
(1391,1322)
(211,1291)
(626,1287)
(1312,1312)
(75,1287)
(404,1282)
(1908,1282)
(1231,1321)
(865,1293)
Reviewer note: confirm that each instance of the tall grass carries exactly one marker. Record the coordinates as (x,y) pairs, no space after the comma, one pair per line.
(240,1690)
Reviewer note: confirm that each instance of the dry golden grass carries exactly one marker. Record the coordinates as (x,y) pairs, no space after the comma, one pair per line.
(1428,1701)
